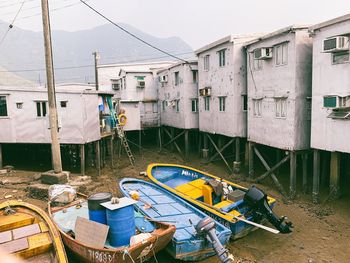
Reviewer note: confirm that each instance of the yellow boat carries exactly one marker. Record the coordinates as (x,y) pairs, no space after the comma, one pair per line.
(234,206)
(27,232)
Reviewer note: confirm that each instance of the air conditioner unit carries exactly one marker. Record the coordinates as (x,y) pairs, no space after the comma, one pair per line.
(336,102)
(263,53)
(141,83)
(205,92)
(336,44)
(116,86)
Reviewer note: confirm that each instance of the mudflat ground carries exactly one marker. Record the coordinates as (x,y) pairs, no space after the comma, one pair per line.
(321,234)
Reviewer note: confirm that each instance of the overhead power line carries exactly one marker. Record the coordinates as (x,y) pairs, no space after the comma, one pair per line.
(11,25)
(92,65)
(131,34)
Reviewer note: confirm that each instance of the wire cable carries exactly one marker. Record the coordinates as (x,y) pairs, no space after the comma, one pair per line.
(133,35)
(11,25)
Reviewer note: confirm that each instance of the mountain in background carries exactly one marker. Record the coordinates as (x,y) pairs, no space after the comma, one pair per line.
(22,52)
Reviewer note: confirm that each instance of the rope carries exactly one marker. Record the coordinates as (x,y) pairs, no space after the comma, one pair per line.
(126,252)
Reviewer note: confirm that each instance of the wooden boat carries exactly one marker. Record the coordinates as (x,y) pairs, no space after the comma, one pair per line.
(198,188)
(27,232)
(161,205)
(65,216)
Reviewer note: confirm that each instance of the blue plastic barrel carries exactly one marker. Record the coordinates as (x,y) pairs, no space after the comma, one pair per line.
(121,222)
(97,212)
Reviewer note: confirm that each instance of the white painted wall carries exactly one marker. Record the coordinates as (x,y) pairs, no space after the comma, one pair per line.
(292,81)
(329,79)
(229,81)
(184,92)
(79,121)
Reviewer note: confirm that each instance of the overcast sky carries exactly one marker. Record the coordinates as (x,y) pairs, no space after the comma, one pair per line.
(197,22)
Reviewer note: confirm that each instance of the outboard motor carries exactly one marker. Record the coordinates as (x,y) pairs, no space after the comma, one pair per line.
(207,227)
(257,200)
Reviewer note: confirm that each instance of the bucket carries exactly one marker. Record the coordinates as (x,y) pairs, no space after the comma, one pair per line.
(121,221)
(97,212)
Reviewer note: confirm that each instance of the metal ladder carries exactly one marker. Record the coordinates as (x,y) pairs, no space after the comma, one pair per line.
(125,143)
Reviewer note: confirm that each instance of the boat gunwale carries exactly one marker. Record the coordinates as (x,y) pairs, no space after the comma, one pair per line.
(228,218)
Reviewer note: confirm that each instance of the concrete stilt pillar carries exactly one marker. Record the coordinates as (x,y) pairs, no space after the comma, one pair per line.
(205,150)
(316,177)
(172,132)
(111,143)
(1,162)
(278,158)
(82,159)
(304,160)
(140,141)
(246,154)
(334,183)
(293,175)
(251,159)
(186,145)
(237,162)
(160,138)
(98,157)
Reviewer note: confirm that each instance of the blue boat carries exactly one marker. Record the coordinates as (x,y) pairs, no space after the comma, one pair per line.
(232,205)
(160,205)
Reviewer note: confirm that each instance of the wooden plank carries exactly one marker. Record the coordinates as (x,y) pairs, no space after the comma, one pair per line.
(5,236)
(218,151)
(16,220)
(90,233)
(38,244)
(273,176)
(15,245)
(221,150)
(26,231)
(275,167)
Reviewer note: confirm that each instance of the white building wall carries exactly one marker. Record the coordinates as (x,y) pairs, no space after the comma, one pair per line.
(291,81)
(78,122)
(226,81)
(185,92)
(329,79)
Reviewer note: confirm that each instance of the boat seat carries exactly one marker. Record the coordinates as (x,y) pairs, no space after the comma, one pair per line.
(224,204)
(190,190)
(15,221)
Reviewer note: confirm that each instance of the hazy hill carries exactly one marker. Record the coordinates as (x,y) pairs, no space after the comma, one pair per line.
(23,50)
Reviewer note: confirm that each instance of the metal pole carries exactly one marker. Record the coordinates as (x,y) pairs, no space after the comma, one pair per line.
(96,58)
(55,144)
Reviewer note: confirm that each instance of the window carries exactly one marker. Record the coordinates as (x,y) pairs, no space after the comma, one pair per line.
(281,54)
(3,106)
(206,62)
(222,57)
(256,63)
(281,107)
(195,76)
(341,57)
(177,78)
(19,105)
(41,108)
(116,86)
(257,107)
(177,105)
(222,103)
(245,102)
(163,105)
(63,103)
(155,107)
(195,105)
(206,103)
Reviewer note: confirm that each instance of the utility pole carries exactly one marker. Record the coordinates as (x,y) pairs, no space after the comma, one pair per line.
(55,144)
(96,58)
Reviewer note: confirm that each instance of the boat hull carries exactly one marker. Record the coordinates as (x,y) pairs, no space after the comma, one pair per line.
(170,176)
(166,206)
(139,252)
